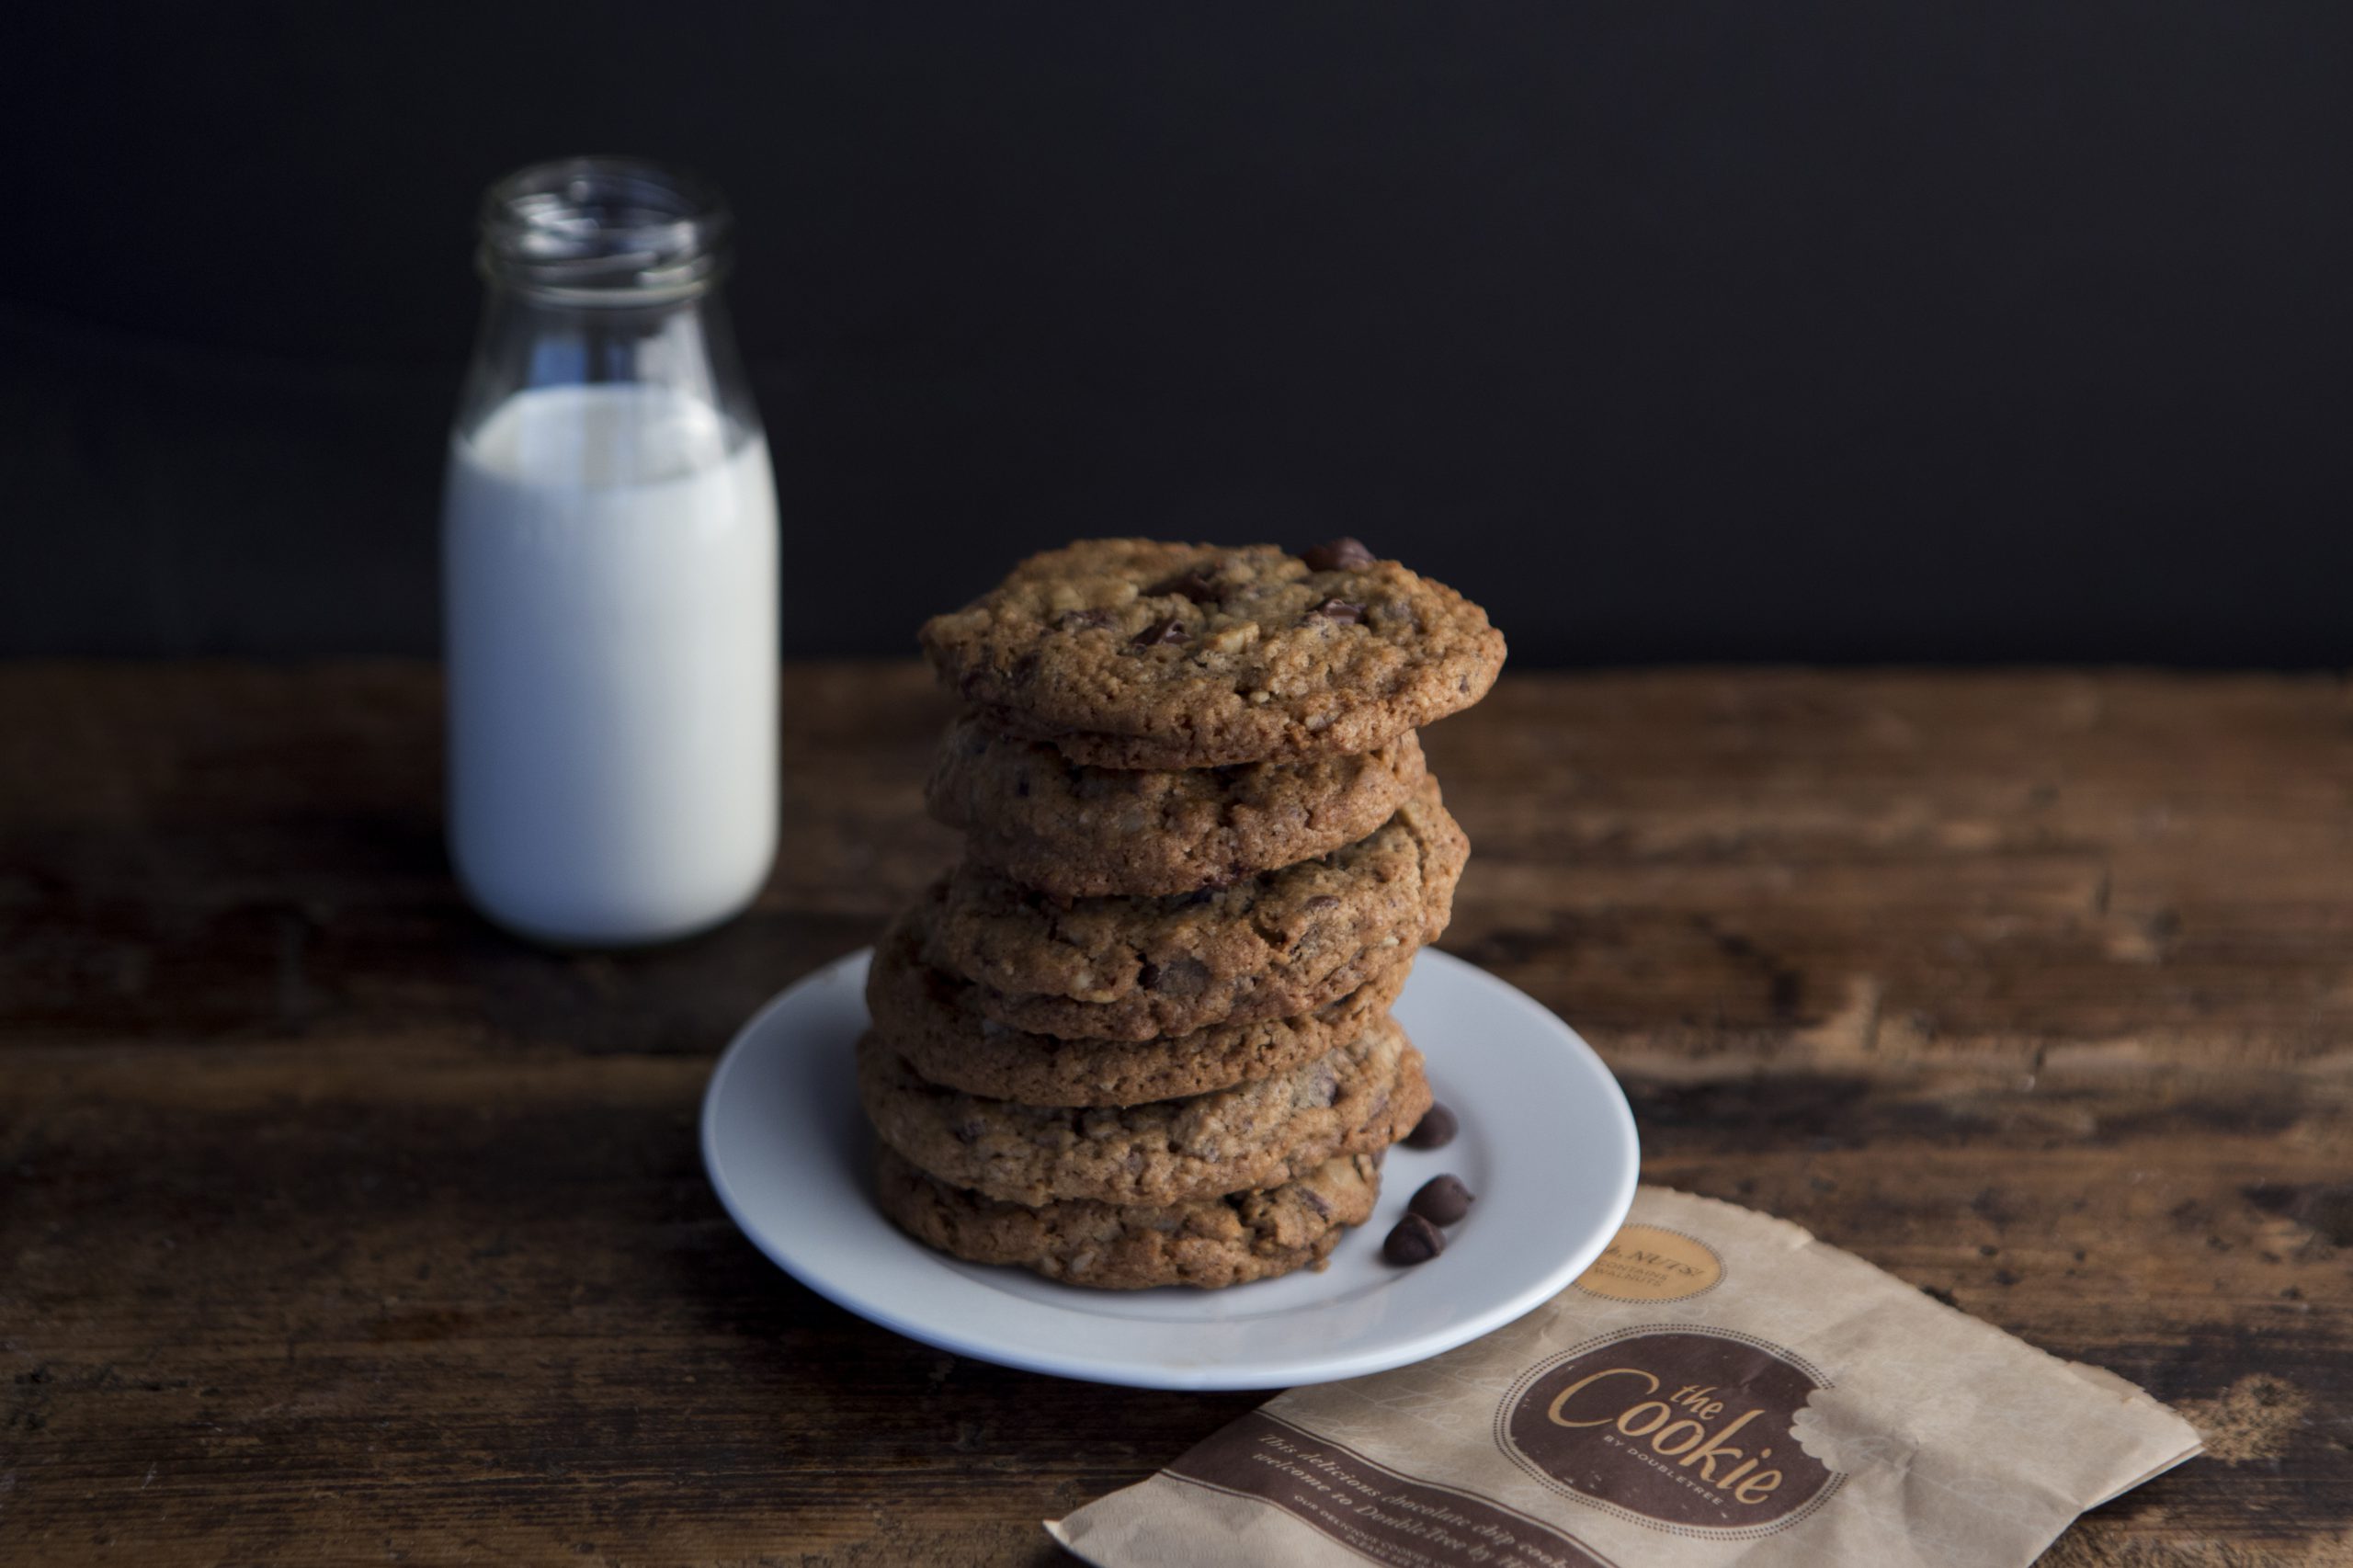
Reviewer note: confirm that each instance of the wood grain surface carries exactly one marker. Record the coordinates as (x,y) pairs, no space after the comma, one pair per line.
(336,1227)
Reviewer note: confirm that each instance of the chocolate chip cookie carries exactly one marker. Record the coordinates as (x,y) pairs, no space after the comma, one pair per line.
(1272,946)
(1361,1097)
(1079,832)
(933,1018)
(1129,653)
(1208,1242)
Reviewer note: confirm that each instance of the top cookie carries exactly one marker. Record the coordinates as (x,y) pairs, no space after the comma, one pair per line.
(1130,652)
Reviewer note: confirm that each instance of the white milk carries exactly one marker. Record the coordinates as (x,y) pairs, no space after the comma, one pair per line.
(609,589)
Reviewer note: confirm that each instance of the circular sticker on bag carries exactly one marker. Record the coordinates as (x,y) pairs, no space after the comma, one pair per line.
(1646,1263)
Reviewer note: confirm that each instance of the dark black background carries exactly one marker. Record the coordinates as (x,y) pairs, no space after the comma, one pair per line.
(1779,331)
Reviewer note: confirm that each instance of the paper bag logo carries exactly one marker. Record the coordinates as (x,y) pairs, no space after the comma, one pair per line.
(1684,1428)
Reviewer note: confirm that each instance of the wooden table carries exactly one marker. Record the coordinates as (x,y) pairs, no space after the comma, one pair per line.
(336,1227)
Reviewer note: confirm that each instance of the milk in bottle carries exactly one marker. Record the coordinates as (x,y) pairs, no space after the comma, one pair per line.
(609,572)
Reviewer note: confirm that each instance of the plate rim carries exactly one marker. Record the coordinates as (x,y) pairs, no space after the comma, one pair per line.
(1147,1373)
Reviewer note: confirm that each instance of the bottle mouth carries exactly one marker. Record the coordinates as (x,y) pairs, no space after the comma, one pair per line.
(604,231)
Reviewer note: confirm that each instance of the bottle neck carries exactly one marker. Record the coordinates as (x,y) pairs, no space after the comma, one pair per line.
(603,233)
(604,271)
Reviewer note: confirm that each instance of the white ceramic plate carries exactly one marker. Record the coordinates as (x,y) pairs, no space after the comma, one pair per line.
(1547,1144)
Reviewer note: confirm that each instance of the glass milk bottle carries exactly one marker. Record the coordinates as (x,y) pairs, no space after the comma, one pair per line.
(608,569)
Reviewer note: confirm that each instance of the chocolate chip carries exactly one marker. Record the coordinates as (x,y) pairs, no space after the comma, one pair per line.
(1336,554)
(1161,633)
(1415,1239)
(1316,1201)
(1323,1086)
(1435,1131)
(1183,977)
(1339,610)
(1197,586)
(1078,619)
(1442,1200)
(1324,901)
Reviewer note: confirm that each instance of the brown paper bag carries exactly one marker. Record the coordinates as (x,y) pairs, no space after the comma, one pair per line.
(1720,1389)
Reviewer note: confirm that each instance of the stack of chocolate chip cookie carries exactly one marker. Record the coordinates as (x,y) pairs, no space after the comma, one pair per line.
(1140,1035)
